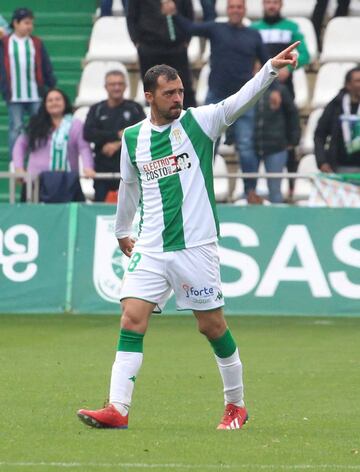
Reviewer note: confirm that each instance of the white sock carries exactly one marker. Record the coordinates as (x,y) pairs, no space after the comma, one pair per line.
(231,373)
(123,375)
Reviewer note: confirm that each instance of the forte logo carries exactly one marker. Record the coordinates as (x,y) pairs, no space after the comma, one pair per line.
(194,292)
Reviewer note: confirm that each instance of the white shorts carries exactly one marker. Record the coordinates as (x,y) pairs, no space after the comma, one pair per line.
(193,274)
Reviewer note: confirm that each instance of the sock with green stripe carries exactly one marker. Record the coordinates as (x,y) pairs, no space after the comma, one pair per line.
(125,369)
(230,367)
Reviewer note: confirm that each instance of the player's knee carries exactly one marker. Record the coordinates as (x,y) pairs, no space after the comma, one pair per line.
(130,320)
(212,329)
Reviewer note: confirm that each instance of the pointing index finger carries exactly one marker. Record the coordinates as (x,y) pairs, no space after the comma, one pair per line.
(291,47)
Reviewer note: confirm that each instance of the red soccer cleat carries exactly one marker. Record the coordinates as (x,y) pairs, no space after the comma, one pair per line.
(107,417)
(234,417)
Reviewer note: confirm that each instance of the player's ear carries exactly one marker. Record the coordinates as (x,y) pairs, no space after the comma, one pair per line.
(149,97)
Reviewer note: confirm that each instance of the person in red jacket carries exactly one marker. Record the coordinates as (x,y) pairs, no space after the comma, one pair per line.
(25,71)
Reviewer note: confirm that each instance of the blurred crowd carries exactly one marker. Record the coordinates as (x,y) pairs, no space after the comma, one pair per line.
(46,140)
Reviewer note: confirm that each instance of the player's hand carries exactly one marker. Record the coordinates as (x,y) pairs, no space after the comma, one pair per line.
(89,173)
(287,57)
(109,149)
(126,245)
(326,168)
(19,180)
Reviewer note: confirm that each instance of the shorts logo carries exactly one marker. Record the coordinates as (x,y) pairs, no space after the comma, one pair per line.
(219,296)
(201,295)
(166,166)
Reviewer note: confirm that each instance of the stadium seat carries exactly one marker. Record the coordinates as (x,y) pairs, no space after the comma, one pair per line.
(202,85)
(81,113)
(221,184)
(91,88)
(307,29)
(301,88)
(117,9)
(341,40)
(194,50)
(110,41)
(329,81)
(139,96)
(307,139)
(307,165)
(198,12)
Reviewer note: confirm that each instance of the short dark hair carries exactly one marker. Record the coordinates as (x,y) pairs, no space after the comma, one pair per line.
(20,14)
(152,75)
(349,74)
(115,72)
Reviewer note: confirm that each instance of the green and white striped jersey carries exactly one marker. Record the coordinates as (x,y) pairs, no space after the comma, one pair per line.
(173,166)
(22,70)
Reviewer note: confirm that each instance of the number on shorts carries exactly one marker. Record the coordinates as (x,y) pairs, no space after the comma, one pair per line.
(134,262)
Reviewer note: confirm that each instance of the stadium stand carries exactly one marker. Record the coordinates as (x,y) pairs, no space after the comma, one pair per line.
(72,40)
(329,80)
(64,26)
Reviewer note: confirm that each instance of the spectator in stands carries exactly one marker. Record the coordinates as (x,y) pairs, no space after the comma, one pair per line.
(4,27)
(337,136)
(53,139)
(159,40)
(235,49)
(319,13)
(104,126)
(276,132)
(25,71)
(277,33)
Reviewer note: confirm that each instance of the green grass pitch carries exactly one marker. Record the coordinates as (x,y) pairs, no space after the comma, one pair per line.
(302,391)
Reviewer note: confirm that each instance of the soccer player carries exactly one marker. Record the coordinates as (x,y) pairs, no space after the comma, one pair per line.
(166,164)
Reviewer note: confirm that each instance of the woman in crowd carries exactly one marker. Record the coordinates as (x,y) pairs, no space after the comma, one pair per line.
(53,140)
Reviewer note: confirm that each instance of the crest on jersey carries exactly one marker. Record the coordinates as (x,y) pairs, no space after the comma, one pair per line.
(177,135)
(110,263)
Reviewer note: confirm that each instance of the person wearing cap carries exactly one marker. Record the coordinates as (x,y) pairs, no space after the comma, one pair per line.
(25,71)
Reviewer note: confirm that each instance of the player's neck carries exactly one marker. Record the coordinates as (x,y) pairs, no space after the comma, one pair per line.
(159,120)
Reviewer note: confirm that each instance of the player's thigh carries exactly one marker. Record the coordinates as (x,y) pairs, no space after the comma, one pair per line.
(145,280)
(136,314)
(195,278)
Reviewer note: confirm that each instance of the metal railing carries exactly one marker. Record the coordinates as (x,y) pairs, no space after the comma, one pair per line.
(13,177)
(33,184)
